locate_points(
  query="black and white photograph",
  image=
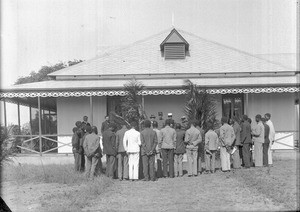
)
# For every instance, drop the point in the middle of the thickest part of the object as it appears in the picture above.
(149, 105)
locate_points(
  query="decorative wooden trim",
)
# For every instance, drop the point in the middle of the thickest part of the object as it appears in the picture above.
(145, 92)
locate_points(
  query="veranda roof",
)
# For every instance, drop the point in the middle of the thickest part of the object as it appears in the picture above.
(223, 85)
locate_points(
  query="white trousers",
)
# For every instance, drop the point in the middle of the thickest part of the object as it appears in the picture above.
(225, 159)
(133, 163)
(270, 159)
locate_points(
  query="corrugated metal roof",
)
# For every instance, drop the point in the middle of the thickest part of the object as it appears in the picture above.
(145, 57)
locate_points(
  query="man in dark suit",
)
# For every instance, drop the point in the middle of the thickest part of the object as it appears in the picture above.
(110, 149)
(266, 143)
(85, 123)
(148, 144)
(246, 140)
(105, 124)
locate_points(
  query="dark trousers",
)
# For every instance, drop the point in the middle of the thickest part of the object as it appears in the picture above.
(241, 154)
(77, 158)
(246, 155)
(265, 154)
(99, 168)
(148, 166)
(200, 156)
(110, 165)
(82, 160)
(168, 158)
(159, 172)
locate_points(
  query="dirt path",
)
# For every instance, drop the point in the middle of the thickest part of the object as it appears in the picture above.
(216, 192)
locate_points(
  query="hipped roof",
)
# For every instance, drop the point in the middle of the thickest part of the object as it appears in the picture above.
(209, 64)
(145, 57)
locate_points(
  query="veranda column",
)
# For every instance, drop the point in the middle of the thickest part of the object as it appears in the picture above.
(246, 104)
(91, 110)
(19, 122)
(5, 118)
(40, 124)
(143, 102)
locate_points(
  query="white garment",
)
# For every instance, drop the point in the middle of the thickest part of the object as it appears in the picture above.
(132, 141)
(272, 139)
(259, 131)
(272, 130)
(158, 138)
(133, 163)
(225, 159)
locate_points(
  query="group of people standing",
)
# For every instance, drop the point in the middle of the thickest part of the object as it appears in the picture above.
(165, 142)
(249, 144)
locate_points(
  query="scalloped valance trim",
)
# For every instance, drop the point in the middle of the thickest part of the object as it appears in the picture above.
(154, 92)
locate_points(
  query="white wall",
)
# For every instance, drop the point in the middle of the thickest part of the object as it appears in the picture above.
(72, 109)
(280, 105)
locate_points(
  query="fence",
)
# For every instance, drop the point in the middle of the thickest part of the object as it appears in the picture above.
(283, 140)
(42, 138)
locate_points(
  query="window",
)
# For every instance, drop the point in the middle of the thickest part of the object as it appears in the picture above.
(233, 105)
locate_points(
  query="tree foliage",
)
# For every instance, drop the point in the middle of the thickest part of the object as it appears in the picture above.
(131, 105)
(41, 75)
(8, 144)
(200, 105)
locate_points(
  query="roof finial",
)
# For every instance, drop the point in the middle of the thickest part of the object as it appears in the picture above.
(173, 20)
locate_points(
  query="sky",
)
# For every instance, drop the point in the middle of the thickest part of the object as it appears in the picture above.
(43, 32)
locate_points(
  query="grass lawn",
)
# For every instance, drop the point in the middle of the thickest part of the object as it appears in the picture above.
(58, 188)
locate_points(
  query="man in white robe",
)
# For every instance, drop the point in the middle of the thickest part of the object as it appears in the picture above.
(132, 143)
(271, 137)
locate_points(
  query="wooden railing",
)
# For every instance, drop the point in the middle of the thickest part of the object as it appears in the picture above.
(46, 137)
(40, 137)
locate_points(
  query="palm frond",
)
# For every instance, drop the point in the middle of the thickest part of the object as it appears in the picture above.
(131, 103)
(200, 105)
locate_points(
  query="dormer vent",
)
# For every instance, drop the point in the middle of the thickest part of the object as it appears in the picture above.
(174, 46)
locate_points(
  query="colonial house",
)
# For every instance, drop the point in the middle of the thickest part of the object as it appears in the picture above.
(242, 84)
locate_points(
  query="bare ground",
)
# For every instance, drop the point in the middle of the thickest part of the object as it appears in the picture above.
(255, 189)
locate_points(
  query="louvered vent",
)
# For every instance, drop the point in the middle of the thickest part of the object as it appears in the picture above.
(174, 51)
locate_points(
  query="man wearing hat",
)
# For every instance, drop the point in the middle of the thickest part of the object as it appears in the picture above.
(258, 133)
(152, 119)
(172, 122)
(184, 123)
(161, 121)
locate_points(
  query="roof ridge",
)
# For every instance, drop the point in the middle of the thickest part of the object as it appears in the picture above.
(233, 48)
